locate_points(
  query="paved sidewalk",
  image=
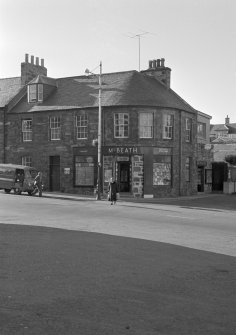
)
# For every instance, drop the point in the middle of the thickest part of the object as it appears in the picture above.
(213, 201)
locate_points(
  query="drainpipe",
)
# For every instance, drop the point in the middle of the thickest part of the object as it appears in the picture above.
(4, 135)
(180, 152)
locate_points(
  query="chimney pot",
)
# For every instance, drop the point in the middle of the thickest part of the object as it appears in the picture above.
(32, 60)
(42, 62)
(158, 62)
(37, 61)
(227, 120)
(163, 62)
(26, 58)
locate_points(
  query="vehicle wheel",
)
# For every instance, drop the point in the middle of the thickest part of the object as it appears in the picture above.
(17, 191)
(7, 190)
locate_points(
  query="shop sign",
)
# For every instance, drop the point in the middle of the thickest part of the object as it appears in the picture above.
(121, 150)
(66, 170)
(162, 151)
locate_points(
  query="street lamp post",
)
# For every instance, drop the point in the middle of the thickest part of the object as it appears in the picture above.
(99, 131)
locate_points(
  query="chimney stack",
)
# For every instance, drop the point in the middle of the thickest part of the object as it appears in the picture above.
(227, 120)
(158, 70)
(31, 70)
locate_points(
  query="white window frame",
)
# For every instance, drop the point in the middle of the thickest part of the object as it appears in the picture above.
(26, 160)
(168, 126)
(121, 125)
(188, 129)
(35, 93)
(146, 125)
(26, 127)
(55, 128)
(201, 129)
(82, 126)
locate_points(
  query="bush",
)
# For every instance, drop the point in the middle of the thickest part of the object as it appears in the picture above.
(231, 159)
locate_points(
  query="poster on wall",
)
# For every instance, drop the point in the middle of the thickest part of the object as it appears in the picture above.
(208, 176)
(161, 173)
(107, 175)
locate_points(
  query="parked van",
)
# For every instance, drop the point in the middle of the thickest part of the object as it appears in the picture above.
(18, 178)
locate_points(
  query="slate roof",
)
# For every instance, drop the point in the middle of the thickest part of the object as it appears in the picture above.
(130, 88)
(40, 79)
(9, 87)
(229, 128)
(224, 140)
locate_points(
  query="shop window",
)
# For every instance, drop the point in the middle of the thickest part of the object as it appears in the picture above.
(121, 125)
(187, 169)
(26, 160)
(201, 129)
(168, 124)
(84, 171)
(162, 170)
(26, 127)
(82, 126)
(55, 128)
(146, 125)
(35, 93)
(188, 129)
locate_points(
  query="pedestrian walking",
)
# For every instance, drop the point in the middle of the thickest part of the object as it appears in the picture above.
(112, 191)
(38, 182)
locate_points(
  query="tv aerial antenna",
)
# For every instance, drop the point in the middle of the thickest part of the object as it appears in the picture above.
(138, 36)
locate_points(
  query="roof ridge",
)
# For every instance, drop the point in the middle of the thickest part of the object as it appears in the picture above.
(11, 78)
(96, 74)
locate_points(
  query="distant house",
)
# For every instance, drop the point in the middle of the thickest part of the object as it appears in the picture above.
(223, 132)
(150, 135)
(223, 140)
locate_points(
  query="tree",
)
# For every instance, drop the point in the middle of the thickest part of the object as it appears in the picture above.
(231, 159)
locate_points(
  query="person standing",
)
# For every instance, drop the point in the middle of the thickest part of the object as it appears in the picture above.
(38, 182)
(112, 191)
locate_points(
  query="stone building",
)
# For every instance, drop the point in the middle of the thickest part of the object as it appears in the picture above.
(204, 153)
(149, 133)
(223, 141)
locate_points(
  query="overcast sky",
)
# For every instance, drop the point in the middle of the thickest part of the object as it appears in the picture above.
(197, 38)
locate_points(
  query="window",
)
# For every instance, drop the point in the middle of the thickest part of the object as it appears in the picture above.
(26, 160)
(82, 126)
(168, 122)
(84, 171)
(187, 169)
(162, 170)
(35, 93)
(188, 129)
(201, 129)
(26, 130)
(55, 128)
(146, 125)
(121, 125)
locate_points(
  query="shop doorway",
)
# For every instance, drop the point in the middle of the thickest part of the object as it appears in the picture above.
(219, 175)
(123, 176)
(200, 177)
(54, 170)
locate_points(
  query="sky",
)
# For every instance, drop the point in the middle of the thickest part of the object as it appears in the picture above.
(197, 38)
